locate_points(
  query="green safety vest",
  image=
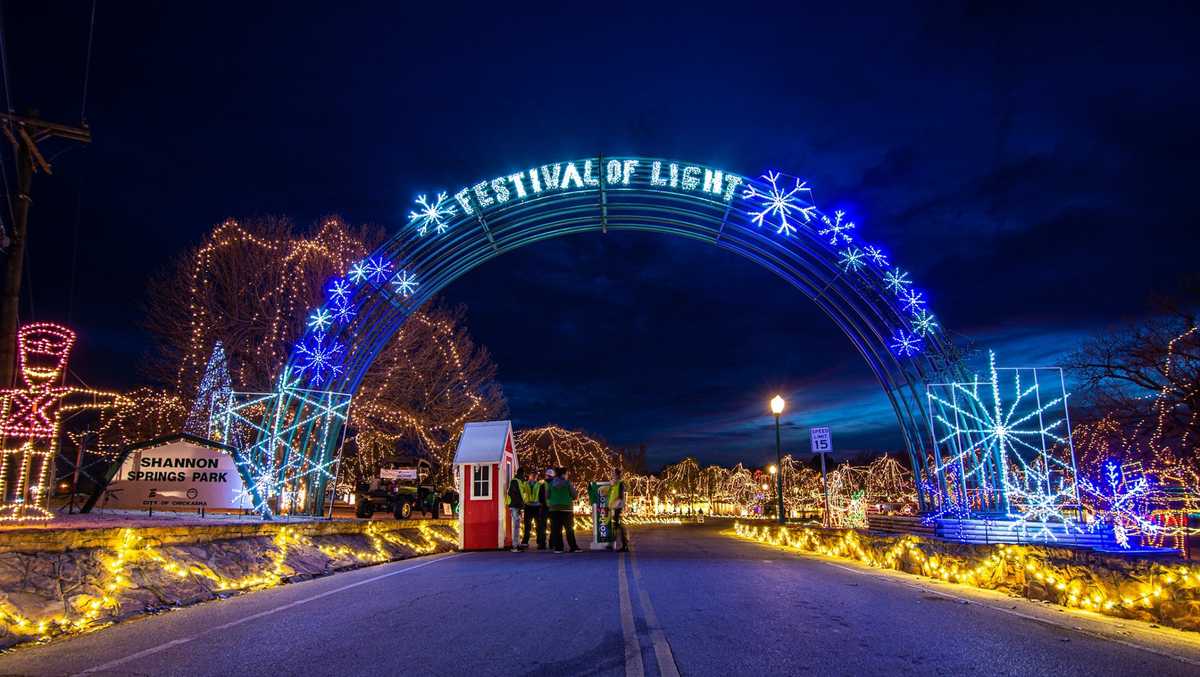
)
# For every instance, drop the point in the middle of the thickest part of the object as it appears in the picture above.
(558, 495)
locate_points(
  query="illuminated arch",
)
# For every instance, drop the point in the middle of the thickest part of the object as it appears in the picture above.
(769, 219)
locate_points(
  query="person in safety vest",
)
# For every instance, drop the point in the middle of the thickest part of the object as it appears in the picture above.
(616, 507)
(534, 493)
(515, 500)
(560, 499)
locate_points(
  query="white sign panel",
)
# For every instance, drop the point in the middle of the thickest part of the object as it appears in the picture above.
(822, 441)
(398, 474)
(176, 476)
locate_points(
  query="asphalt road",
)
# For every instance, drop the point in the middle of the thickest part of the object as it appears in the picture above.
(691, 602)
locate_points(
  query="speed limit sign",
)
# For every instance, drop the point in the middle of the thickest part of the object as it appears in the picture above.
(822, 441)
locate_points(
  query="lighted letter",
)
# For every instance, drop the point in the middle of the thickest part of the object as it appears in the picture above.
(500, 190)
(571, 173)
(534, 182)
(731, 182)
(518, 183)
(674, 175)
(630, 165)
(656, 178)
(691, 177)
(550, 176)
(464, 201)
(614, 172)
(712, 181)
(481, 195)
(587, 174)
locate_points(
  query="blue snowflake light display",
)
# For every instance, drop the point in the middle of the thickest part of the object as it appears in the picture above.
(896, 281)
(318, 360)
(320, 320)
(923, 324)
(779, 203)
(340, 291)
(1121, 501)
(912, 300)
(433, 214)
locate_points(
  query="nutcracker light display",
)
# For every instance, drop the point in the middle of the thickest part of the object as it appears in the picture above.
(31, 417)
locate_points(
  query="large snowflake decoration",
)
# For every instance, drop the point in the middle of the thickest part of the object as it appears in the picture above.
(905, 344)
(404, 283)
(376, 269)
(320, 320)
(851, 259)
(1039, 502)
(923, 323)
(779, 203)
(432, 214)
(876, 255)
(896, 280)
(984, 428)
(912, 300)
(1120, 501)
(318, 360)
(837, 227)
(339, 291)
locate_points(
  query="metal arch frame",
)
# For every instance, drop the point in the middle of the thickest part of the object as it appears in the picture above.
(856, 300)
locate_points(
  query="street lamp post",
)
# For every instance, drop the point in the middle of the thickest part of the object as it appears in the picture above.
(777, 404)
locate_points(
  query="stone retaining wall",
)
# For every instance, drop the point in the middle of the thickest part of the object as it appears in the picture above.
(55, 582)
(1163, 590)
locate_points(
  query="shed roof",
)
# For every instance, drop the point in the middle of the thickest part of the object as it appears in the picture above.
(484, 442)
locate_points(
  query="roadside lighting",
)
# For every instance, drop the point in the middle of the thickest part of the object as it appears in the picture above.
(777, 404)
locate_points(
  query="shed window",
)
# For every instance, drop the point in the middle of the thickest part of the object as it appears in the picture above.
(481, 481)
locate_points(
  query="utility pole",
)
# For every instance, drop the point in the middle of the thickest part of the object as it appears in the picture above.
(24, 133)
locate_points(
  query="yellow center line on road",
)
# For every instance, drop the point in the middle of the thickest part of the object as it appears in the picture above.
(662, 649)
(633, 650)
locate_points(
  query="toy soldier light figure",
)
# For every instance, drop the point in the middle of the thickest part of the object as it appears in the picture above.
(31, 417)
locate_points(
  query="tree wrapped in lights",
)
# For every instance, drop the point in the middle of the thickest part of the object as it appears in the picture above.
(588, 458)
(250, 287)
(213, 397)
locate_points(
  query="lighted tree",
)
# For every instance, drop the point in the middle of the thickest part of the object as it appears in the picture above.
(588, 458)
(250, 287)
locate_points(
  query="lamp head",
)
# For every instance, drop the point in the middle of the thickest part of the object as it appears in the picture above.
(777, 405)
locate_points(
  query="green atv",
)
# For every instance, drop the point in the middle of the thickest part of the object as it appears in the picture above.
(398, 500)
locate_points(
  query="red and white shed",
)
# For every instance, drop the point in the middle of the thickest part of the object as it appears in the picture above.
(484, 464)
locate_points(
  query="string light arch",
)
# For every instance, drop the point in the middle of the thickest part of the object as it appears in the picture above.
(768, 218)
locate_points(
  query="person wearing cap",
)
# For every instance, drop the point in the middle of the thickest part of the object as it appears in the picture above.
(535, 509)
(560, 499)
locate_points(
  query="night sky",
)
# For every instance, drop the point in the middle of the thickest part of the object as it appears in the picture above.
(1035, 173)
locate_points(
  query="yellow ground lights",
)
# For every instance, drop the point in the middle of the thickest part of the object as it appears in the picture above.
(132, 554)
(1123, 588)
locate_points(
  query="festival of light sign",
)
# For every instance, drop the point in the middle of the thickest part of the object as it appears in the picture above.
(562, 177)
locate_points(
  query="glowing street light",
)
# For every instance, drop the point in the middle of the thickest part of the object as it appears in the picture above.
(777, 404)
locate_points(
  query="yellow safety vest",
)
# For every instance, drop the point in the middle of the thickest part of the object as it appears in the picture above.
(614, 492)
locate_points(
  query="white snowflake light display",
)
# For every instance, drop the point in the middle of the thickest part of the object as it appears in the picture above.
(876, 255)
(404, 283)
(905, 344)
(339, 292)
(896, 280)
(432, 214)
(912, 300)
(1009, 433)
(923, 323)
(837, 227)
(779, 204)
(851, 259)
(320, 320)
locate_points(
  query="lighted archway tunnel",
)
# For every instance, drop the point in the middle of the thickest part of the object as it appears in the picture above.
(769, 219)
